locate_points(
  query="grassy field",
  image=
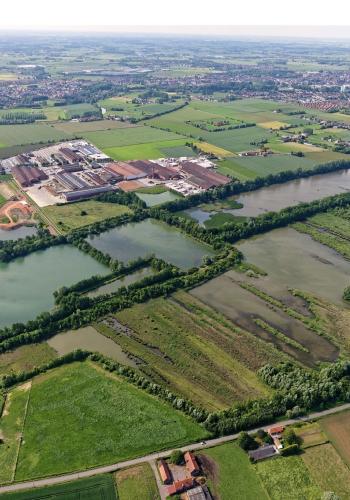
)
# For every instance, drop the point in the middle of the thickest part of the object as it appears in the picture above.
(25, 357)
(311, 434)
(12, 135)
(151, 150)
(11, 426)
(328, 470)
(3, 200)
(91, 488)
(128, 109)
(127, 136)
(177, 151)
(79, 127)
(73, 215)
(193, 350)
(80, 416)
(337, 428)
(137, 483)
(231, 475)
(287, 478)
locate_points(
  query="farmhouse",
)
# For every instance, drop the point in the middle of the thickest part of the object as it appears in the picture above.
(276, 431)
(192, 464)
(164, 472)
(181, 486)
(262, 453)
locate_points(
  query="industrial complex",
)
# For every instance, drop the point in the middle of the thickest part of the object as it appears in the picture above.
(77, 170)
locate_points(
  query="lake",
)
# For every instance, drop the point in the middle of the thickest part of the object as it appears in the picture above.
(91, 340)
(27, 283)
(113, 286)
(152, 200)
(278, 196)
(151, 237)
(16, 234)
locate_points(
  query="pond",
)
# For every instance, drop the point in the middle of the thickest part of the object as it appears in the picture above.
(16, 234)
(295, 260)
(113, 286)
(151, 237)
(152, 200)
(27, 283)
(91, 340)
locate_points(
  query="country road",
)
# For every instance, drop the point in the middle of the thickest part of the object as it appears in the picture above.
(154, 456)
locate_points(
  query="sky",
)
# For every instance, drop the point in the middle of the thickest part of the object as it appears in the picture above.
(228, 17)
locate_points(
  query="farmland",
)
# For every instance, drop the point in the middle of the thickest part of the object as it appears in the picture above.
(230, 473)
(178, 339)
(12, 135)
(70, 127)
(92, 488)
(149, 151)
(337, 428)
(72, 216)
(137, 482)
(288, 478)
(79, 407)
(123, 106)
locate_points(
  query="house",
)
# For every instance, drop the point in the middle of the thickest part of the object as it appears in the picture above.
(198, 493)
(181, 486)
(164, 472)
(192, 464)
(276, 431)
(262, 453)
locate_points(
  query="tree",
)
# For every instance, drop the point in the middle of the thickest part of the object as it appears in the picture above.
(177, 457)
(289, 437)
(246, 442)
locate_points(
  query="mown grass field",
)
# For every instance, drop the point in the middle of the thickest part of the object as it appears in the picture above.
(12, 135)
(311, 434)
(231, 475)
(25, 357)
(79, 127)
(92, 488)
(128, 136)
(194, 350)
(137, 483)
(73, 215)
(133, 110)
(337, 428)
(11, 425)
(328, 470)
(151, 150)
(80, 416)
(287, 478)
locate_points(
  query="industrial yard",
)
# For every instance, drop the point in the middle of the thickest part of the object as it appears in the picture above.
(77, 170)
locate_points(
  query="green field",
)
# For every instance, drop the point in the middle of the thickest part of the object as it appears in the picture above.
(137, 482)
(11, 426)
(92, 488)
(194, 350)
(152, 150)
(328, 470)
(73, 215)
(93, 126)
(128, 109)
(287, 478)
(12, 135)
(231, 474)
(25, 357)
(79, 416)
(128, 136)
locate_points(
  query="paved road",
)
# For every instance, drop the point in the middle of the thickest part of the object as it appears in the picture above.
(154, 456)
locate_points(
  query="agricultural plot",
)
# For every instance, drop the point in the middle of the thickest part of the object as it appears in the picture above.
(288, 478)
(11, 427)
(80, 416)
(25, 358)
(74, 215)
(128, 136)
(78, 127)
(124, 107)
(311, 434)
(12, 135)
(147, 151)
(337, 428)
(328, 470)
(195, 351)
(92, 488)
(137, 482)
(230, 473)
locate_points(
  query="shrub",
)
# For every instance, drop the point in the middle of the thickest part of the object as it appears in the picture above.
(246, 442)
(293, 449)
(177, 457)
